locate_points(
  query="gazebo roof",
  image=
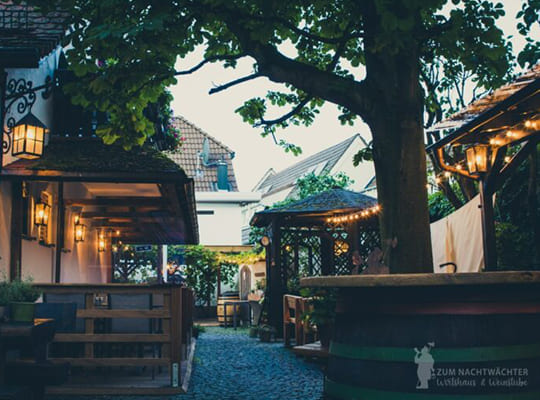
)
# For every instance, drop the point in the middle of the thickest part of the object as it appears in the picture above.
(334, 201)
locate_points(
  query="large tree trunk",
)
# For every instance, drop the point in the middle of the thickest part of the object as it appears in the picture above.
(399, 153)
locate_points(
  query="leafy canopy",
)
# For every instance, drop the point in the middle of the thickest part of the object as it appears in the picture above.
(124, 52)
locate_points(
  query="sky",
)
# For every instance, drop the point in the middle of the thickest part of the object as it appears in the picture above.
(215, 114)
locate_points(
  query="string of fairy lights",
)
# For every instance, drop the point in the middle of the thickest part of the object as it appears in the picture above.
(356, 216)
(501, 139)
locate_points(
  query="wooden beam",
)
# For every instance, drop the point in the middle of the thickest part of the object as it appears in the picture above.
(60, 233)
(119, 201)
(125, 214)
(16, 231)
(112, 362)
(110, 338)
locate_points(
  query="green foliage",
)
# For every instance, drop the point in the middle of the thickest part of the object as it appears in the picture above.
(135, 267)
(125, 52)
(306, 186)
(515, 220)
(20, 291)
(323, 302)
(201, 270)
(197, 330)
(440, 206)
(5, 294)
(514, 247)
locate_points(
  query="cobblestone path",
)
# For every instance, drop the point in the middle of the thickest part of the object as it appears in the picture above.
(229, 365)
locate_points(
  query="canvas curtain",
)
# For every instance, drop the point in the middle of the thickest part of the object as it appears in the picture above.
(457, 238)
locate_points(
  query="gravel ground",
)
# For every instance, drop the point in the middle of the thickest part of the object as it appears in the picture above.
(229, 365)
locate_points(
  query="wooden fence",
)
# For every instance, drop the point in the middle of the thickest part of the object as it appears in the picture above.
(173, 314)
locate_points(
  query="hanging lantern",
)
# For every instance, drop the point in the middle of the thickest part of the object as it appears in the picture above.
(41, 213)
(478, 158)
(80, 230)
(340, 247)
(29, 137)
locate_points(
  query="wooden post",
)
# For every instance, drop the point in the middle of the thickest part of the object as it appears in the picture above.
(89, 325)
(488, 228)
(176, 335)
(60, 232)
(274, 281)
(16, 231)
(327, 255)
(3, 80)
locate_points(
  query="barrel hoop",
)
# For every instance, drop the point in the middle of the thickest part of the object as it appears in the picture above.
(456, 354)
(456, 308)
(348, 392)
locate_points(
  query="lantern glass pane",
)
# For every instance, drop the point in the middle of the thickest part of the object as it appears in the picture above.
(471, 160)
(481, 158)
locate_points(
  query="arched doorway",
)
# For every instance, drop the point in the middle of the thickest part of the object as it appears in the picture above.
(245, 282)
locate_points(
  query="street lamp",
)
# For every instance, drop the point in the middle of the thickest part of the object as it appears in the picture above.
(101, 242)
(29, 137)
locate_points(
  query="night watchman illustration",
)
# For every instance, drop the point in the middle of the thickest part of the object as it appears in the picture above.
(425, 362)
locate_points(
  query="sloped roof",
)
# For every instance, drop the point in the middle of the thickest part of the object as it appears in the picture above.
(324, 160)
(491, 116)
(477, 107)
(92, 155)
(22, 26)
(188, 157)
(331, 201)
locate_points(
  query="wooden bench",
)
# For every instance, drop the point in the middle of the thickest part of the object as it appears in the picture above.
(297, 306)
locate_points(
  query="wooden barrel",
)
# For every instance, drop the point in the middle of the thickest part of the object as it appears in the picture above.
(436, 342)
(227, 296)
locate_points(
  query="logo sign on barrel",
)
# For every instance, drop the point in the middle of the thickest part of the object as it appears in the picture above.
(143, 248)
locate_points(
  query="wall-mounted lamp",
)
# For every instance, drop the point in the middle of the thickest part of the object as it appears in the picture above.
(101, 242)
(42, 212)
(478, 158)
(29, 137)
(265, 241)
(80, 230)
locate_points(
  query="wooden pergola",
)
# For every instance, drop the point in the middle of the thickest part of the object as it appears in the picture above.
(323, 234)
(487, 142)
(132, 197)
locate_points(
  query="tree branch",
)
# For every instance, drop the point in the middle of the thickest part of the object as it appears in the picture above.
(233, 83)
(285, 117)
(307, 78)
(223, 57)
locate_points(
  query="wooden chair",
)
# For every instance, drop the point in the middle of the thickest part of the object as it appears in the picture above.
(293, 311)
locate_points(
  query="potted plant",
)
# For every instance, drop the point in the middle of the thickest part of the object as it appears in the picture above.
(266, 333)
(321, 313)
(23, 296)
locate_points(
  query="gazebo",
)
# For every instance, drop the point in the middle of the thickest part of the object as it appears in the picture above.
(487, 141)
(329, 233)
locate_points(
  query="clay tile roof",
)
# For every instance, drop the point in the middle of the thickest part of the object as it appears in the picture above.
(23, 26)
(188, 157)
(322, 161)
(486, 102)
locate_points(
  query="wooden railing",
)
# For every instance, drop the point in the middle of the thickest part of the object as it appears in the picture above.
(173, 315)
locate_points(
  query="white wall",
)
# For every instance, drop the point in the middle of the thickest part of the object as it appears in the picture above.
(361, 174)
(5, 223)
(42, 108)
(224, 226)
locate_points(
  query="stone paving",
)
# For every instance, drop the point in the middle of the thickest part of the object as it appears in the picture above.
(229, 365)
